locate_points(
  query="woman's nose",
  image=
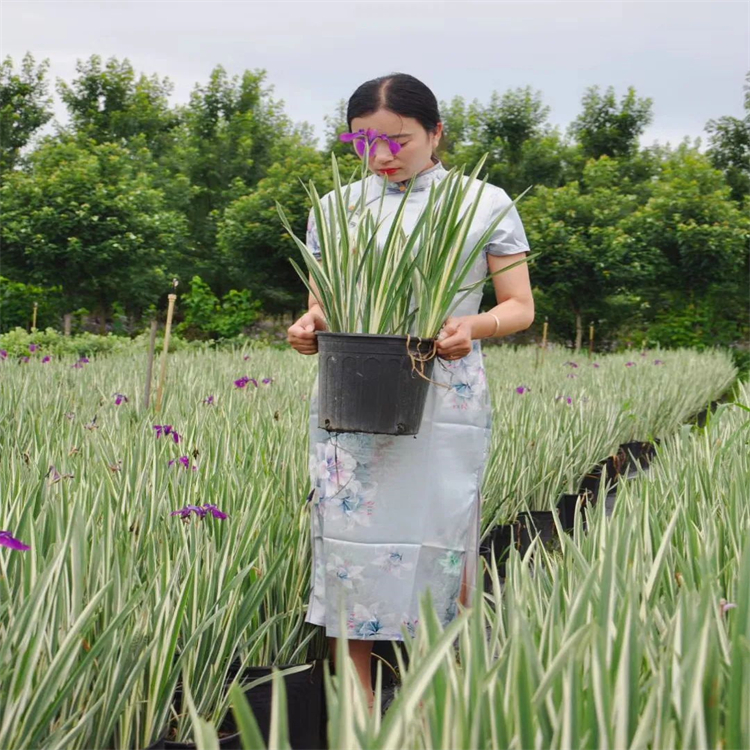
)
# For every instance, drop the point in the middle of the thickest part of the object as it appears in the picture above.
(380, 152)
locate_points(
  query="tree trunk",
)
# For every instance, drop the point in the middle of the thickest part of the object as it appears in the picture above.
(67, 323)
(579, 332)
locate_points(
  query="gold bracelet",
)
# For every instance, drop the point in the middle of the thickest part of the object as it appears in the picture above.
(497, 324)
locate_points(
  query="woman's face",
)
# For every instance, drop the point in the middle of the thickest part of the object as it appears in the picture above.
(416, 144)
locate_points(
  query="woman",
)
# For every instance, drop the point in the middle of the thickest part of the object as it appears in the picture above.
(395, 515)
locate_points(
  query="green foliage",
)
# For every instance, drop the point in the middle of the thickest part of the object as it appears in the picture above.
(729, 148)
(50, 341)
(252, 235)
(135, 192)
(605, 128)
(17, 304)
(205, 316)
(25, 106)
(87, 216)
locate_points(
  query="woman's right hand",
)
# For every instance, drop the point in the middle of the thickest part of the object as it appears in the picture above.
(301, 335)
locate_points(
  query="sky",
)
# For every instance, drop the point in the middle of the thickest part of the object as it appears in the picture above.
(690, 58)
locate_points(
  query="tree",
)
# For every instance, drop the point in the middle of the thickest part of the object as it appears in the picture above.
(687, 248)
(25, 106)
(524, 150)
(606, 129)
(729, 148)
(576, 228)
(109, 105)
(335, 125)
(252, 235)
(232, 132)
(87, 217)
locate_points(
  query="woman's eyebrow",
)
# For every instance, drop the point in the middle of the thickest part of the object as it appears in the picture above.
(399, 135)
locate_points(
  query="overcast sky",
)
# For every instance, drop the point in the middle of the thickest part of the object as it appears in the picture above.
(689, 57)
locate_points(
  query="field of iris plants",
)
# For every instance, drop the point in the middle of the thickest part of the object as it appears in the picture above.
(148, 561)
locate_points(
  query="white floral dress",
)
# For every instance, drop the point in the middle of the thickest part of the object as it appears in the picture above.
(394, 515)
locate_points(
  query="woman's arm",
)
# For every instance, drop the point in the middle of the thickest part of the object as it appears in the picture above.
(515, 303)
(515, 310)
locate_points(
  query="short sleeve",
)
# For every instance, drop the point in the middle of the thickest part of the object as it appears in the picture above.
(311, 239)
(509, 236)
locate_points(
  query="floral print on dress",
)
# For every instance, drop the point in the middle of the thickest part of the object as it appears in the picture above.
(467, 381)
(410, 624)
(364, 622)
(392, 561)
(452, 562)
(340, 467)
(332, 468)
(352, 505)
(343, 571)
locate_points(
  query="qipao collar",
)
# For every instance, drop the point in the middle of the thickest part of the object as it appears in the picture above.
(422, 181)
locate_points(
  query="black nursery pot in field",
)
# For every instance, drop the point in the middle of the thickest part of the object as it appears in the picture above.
(159, 744)
(367, 382)
(304, 696)
(500, 539)
(566, 507)
(535, 523)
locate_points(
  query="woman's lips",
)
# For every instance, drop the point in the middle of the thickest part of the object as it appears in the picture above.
(388, 171)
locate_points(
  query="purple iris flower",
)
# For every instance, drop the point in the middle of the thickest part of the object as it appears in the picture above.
(167, 429)
(3, 354)
(572, 364)
(568, 399)
(78, 366)
(199, 511)
(119, 398)
(595, 364)
(371, 136)
(727, 606)
(658, 362)
(214, 511)
(33, 347)
(522, 389)
(46, 358)
(266, 381)
(6, 540)
(246, 357)
(571, 375)
(24, 359)
(85, 360)
(184, 460)
(208, 400)
(244, 380)
(630, 364)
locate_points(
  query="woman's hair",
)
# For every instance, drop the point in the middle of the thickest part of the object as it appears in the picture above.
(399, 93)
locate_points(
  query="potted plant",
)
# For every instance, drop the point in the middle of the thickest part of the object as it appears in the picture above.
(385, 306)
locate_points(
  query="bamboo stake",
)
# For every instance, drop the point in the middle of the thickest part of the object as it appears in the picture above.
(167, 329)
(591, 339)
(33, 322)
(150, 365)
(544, 336)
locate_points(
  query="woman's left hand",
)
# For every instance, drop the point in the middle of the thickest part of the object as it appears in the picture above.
(454, 339)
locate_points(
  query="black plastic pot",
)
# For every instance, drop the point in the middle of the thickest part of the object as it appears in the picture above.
(367, 383)
(304, 695)
(228, 741)
(499, 539)
(535, 523)
(385, 651)
(159, 744)
(566, 508)
(591, 482)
